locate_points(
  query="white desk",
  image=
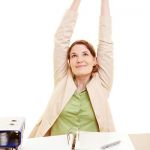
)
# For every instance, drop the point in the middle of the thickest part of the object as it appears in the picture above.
(140, 142)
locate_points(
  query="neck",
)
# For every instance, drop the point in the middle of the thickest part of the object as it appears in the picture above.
(81, 81)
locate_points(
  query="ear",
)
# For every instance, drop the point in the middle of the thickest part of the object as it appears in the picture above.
(95, 61)
(68, 62)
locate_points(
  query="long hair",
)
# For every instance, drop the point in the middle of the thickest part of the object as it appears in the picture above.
(89, 47)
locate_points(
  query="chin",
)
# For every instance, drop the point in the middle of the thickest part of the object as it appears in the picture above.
(83, 74)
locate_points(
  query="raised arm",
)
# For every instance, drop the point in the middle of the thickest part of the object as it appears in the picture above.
(75, 5)
(105, 53)
(62, 41)
(105, 8)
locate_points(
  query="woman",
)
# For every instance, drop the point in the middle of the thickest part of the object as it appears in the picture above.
(82, 80)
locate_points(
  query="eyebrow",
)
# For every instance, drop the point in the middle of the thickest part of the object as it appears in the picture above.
(82, 52)
(72, 53)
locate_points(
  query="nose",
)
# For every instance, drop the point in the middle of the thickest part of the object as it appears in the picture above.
(79, 59)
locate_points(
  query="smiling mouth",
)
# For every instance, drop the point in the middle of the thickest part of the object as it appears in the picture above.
(80, 66)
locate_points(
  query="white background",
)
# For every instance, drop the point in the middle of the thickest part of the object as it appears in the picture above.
(27, 28)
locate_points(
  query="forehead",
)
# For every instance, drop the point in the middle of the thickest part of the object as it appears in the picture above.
(79, 48)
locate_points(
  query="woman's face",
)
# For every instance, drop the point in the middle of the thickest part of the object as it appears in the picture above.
(81, 60)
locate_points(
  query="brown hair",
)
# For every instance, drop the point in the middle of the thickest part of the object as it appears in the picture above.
(89, 47)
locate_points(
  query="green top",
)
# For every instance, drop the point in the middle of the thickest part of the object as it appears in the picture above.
(77, 114)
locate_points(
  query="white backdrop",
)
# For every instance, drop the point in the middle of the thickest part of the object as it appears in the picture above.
(26, 57)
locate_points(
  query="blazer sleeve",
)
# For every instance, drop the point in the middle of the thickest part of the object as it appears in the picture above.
(105, 52)
(62, 41)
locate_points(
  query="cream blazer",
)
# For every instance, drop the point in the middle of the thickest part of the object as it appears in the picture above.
(98, 87)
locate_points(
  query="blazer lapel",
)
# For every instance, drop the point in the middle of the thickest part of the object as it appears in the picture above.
(97, 98)
(69, 91)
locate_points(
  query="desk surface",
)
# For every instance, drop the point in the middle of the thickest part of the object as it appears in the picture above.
(140, 141)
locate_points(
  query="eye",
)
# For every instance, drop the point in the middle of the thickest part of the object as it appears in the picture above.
(85, 54)
(73, 56)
